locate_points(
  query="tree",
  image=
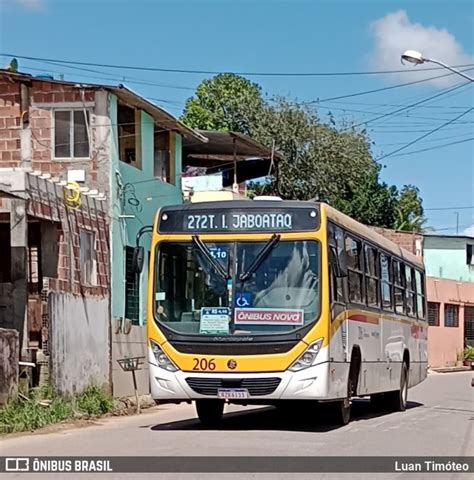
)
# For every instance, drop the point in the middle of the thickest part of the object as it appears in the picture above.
(409, 210)
(318, 160)
(226, 102)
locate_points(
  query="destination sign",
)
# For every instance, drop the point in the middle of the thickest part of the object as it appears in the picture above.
(269, 220)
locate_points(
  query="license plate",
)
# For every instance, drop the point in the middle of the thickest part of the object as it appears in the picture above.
(232, 393)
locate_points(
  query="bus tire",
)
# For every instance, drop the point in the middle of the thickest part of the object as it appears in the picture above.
(398, 398)
(342, 408)
(210, 411)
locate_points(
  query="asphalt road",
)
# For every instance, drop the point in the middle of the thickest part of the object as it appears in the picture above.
(438, 421)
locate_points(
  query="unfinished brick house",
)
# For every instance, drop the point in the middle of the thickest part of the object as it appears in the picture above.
(71, 267)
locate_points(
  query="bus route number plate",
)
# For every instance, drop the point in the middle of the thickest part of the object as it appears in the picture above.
(227, 393)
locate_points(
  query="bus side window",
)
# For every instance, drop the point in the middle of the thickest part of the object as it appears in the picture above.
(355, 276)
(399, 287)
(336, 239)
(420, 294)
(410, 291)
(371, 277)
(386, 281)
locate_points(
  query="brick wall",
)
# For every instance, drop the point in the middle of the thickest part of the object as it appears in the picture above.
(37, 120)
(406, 240)
(9, 123)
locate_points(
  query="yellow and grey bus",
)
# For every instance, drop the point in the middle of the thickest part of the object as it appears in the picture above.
(265, 301)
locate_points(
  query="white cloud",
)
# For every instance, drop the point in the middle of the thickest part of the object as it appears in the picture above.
(395, 32)
(469, 231)
(33, 5)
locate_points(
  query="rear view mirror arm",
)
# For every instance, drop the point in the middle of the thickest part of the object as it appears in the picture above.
(142, 231)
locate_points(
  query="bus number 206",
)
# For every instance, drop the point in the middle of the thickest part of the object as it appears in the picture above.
(204, 364)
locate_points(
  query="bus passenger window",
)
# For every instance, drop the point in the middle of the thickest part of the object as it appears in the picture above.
(353, 249)
(336, 239)
(399, 288)
(410, 291)
(371, 277)
(420, 295)
(386, 282)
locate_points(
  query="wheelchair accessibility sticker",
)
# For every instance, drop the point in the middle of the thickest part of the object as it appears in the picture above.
(243, 299)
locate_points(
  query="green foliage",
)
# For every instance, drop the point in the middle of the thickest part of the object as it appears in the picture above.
(468, 354)
(319, 160)
(95, 402)
(44, 408)
(409, 209)
(226, 102)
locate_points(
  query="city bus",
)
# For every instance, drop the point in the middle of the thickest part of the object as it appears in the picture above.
(270, 301)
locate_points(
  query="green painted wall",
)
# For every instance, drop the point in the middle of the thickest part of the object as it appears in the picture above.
(445, 257)
(130, 184)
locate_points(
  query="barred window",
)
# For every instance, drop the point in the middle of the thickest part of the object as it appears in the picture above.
(132, 289)
(451, 315)
(433, 314)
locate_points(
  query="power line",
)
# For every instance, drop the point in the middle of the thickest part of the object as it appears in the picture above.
(383, 89)
(216, 72)
(450, 208)
(394, 112)
(432, 148)
(426, 134)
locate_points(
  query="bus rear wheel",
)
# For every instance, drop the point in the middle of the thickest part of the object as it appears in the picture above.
(398, 398)
(210, 411)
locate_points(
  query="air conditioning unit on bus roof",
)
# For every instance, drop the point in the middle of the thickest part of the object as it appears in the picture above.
(267, 197)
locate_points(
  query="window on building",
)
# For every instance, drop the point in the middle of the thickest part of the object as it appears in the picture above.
(420, 294)
(410, 291)
(129, 133)
(386, 281)
(469, 325)
(353, 248)
(451, 315)
(71, 134)
(88, 258)
(162, 156)
(399, 286)
(5, 264)
(371, 277)
(132, 289)
(470, 254)
(336, 240)
(433, 314)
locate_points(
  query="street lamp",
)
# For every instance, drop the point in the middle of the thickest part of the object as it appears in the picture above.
(412, 56)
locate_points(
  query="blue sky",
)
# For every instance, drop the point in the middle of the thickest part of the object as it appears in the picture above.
(284, 36)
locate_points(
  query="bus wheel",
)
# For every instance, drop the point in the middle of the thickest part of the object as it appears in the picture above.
(210, 411)
(342, 408)
(398, 399)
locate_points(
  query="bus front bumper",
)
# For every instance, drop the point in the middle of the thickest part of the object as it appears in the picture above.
(308, 384)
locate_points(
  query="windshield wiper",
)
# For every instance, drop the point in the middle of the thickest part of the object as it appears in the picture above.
(206, 252)
(261, 256)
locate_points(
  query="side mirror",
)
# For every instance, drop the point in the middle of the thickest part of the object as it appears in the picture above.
(338, 263)
(138, 259)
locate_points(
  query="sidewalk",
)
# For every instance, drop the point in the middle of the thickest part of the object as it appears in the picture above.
(461, 368)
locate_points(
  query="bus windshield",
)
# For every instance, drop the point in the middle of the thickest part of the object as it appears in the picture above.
(237, 288)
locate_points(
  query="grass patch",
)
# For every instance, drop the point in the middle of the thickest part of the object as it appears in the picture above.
(45, 408)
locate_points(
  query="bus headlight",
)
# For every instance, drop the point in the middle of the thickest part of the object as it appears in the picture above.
(161, 359)
(308, 357)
